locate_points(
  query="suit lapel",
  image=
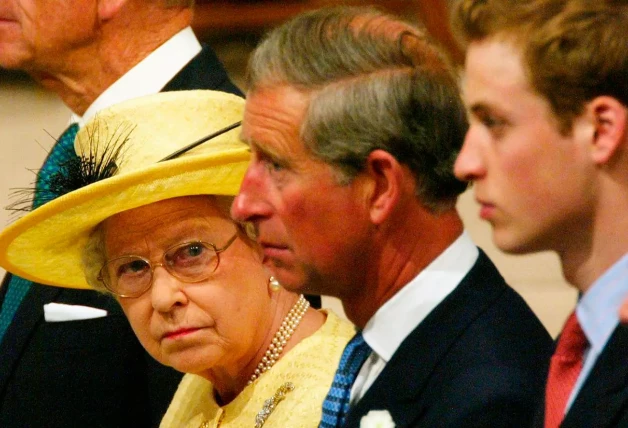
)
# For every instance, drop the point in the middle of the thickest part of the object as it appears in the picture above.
(26, 319)
(603, 398)
(407, 373)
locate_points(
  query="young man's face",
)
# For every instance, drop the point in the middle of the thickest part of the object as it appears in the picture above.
(531, 181)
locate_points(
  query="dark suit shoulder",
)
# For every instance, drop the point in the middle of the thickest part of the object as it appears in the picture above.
(603, 399)
(204, 71)
(478, 359)
(494, 371)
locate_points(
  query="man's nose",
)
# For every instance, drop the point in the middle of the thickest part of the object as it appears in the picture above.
(251, 203)
(469, 165)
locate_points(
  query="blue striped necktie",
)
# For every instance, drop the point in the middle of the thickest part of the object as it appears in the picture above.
(62, 152)
(336, 404)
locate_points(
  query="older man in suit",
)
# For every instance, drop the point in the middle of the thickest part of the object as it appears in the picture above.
(92, 371)
(547, 148)
(352, 194)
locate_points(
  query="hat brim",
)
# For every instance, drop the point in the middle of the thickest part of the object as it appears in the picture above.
(46, 245)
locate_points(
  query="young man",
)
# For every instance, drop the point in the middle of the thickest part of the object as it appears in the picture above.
(547, 150)
(352, 194)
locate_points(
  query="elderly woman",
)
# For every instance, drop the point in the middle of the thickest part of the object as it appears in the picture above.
(149, 224)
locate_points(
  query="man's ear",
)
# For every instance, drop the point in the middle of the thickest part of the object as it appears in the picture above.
(107, 9)
(609, 120)
(387, 176)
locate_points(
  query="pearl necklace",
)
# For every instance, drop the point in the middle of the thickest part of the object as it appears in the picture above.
(289, 324)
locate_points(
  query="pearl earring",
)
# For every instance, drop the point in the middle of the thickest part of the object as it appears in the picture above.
(273, 284)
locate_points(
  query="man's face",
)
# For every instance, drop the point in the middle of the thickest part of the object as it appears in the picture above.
(39, 34)
(313, 231)
(532, 182)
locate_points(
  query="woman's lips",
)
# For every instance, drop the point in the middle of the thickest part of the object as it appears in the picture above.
(182, 332)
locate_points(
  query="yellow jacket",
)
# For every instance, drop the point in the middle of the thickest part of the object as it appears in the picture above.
(309, 367)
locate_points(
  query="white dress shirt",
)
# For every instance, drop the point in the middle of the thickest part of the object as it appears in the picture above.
(149, 76)
(400, 315)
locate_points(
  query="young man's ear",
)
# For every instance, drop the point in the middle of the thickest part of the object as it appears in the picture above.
(609, 120)
(387, 177)
(107, 9)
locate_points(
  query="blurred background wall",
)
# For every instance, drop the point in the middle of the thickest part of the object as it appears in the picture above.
(31, 118)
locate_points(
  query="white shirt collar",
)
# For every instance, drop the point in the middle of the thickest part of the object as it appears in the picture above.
(396, 319)
(149, 76)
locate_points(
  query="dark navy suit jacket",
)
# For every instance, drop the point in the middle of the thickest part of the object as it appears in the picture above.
(479, 359)
(602, 402)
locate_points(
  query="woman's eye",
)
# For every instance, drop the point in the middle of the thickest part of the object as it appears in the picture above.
(134, 267)
(194, 250)
(192, 253)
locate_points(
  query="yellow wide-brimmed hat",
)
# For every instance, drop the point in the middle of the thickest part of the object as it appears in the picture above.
(46, 245)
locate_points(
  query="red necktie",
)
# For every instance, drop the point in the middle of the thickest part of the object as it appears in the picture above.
(565, 368)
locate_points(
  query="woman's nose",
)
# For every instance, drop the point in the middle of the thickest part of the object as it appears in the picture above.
(166, 290)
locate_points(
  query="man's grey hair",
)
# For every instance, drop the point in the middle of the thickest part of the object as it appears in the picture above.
(375, 83)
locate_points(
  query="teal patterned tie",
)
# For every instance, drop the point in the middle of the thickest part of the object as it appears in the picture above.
(62, 152)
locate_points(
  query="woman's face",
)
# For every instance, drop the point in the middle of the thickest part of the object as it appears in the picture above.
(216, 324)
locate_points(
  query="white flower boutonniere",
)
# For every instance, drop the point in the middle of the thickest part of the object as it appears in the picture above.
(377, 419)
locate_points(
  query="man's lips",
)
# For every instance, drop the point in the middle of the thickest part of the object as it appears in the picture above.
(486, 210)
(273, 249)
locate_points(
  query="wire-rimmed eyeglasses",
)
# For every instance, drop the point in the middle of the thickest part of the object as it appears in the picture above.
(132, 276)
